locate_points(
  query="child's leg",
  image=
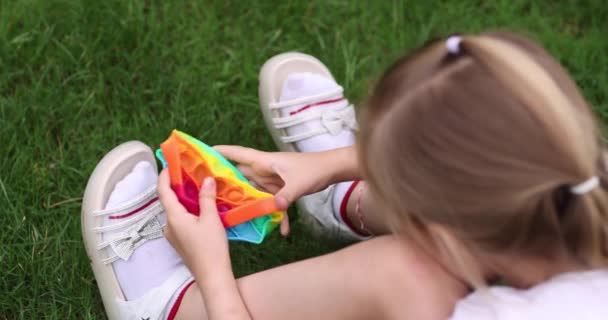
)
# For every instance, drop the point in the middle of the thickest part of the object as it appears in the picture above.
(383, 278)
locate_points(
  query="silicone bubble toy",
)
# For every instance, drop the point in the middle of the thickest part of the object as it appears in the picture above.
(247, 213)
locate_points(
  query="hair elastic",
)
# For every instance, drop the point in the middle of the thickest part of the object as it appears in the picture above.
(586, 186)
(453, 44)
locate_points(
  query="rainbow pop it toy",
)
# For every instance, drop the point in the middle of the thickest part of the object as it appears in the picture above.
(247, 213)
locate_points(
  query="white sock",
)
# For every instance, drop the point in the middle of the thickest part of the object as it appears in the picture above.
(154, 261)
(339, 194)
(299, 85)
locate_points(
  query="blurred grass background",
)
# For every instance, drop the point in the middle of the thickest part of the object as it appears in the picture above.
(79, 77)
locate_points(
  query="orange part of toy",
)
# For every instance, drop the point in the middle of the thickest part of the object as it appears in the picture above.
(189, 165)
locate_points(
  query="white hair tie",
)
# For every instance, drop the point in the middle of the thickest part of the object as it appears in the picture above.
(453, 44)
(586, 186)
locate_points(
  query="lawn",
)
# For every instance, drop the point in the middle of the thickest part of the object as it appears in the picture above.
(79, 77)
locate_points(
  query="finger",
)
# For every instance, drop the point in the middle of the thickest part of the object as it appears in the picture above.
(237, 153)
(285, 225)
(285, 197)
(206, 198)
(165, 193)
(255, 185)
(175, 211)
(163, 182)
(247, 171)
(270, 188)
(261, 183)
(281, 202)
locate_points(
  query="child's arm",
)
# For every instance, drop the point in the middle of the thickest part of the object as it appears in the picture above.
(202, 243)
(344, 164)
(294, 174)
(219, 291)
(291, 175)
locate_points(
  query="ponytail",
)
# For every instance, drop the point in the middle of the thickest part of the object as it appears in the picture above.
(585, 229)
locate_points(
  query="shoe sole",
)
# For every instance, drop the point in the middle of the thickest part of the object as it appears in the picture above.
(114, 166)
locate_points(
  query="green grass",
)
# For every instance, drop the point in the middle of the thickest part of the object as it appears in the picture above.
(79, 77)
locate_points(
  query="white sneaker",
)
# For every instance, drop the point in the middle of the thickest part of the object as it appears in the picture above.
(324, 118)
(113, 235)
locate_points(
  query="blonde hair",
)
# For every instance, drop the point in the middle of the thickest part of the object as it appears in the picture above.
(487, 144)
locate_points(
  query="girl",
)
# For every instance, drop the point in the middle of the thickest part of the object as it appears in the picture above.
(481, 162)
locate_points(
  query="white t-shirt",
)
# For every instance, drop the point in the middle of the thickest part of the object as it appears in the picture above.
(572, 296)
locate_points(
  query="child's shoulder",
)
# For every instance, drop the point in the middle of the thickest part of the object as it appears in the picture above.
(574, 295)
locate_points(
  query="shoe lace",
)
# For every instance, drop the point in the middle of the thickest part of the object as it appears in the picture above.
(332, 120)
(143, 226)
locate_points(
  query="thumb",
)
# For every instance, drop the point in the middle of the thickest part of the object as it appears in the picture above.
(286, 195)
(282, 200)
(206, 198)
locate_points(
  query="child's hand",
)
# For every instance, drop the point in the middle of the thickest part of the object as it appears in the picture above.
(201, 241)
(288, 175)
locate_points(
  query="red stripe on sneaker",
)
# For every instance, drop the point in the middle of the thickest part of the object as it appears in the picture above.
(316, 105)
(134, 211)
(178, 301)
(343, 206)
